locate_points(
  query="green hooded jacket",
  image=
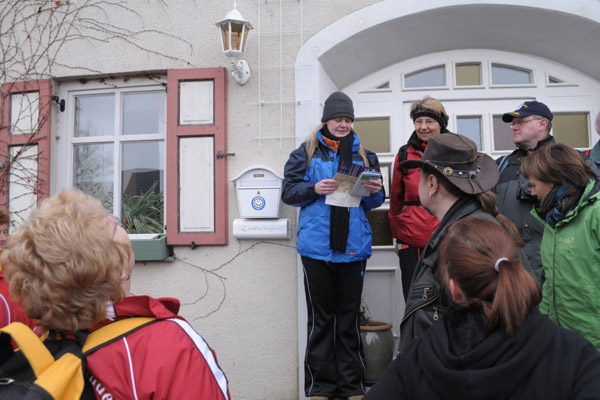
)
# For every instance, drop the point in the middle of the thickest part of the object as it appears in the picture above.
(571, 259)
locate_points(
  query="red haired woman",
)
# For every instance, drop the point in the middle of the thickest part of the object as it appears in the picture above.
(492, 343)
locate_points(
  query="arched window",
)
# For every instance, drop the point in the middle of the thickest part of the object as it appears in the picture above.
(476, 88)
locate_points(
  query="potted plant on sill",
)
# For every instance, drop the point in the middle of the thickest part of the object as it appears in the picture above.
(378, 344)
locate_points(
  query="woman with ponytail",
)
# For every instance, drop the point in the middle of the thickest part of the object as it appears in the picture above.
(569, 191)
(455, 180)
(335, 243)
(492, 343)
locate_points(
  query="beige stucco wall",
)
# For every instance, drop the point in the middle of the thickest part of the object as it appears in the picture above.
(243, 298)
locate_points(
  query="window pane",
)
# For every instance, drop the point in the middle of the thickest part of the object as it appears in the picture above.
(374, 133)
(380, 225)
(503, 136)
(468, 74)
(435, 76)
(24, 113)
(471, 128)
(22, 183)
(553, 80)
(142, 178)
(503, 75)
(93, 171)
(571, 129)
(144, 112)
(94, 115)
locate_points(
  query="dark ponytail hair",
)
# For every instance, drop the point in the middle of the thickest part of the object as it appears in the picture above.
(468, 255)
(489, 204)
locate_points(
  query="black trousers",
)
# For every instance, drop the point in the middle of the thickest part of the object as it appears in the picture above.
(408, 258)
(334, 362)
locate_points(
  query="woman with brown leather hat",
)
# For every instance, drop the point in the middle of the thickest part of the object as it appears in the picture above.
(455, 180)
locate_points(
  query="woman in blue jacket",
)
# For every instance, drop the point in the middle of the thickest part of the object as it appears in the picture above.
(334, 243)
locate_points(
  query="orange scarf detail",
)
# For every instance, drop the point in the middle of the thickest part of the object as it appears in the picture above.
(334, 144)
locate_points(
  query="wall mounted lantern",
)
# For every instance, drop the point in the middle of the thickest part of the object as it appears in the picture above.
(234, 34)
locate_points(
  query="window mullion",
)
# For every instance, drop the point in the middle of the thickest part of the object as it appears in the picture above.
(117, 153)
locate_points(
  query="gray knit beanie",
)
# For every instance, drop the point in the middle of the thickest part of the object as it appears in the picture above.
(337, 105)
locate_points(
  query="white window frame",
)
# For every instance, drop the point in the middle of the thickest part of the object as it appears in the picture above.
(63, 154)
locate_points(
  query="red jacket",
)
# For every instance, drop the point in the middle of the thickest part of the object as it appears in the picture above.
(164, 360)
(410, 222)
(10, 311)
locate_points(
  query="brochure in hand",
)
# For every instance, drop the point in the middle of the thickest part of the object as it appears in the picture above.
(350, 190)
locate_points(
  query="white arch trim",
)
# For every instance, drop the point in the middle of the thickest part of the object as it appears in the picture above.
(392, 31)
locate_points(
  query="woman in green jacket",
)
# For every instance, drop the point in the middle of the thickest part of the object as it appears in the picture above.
(568, 189)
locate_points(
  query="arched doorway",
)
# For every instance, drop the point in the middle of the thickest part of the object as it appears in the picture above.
(480, 60)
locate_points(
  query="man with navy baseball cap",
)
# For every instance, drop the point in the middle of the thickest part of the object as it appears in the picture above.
(531, 123)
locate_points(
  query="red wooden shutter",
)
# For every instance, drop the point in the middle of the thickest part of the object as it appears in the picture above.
(196, 178)
(29, 167)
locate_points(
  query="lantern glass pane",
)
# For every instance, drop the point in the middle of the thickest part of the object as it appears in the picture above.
(236, 35)
(245, 39)
(224, 37)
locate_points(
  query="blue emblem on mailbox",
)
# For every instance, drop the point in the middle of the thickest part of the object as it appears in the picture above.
(258, 203)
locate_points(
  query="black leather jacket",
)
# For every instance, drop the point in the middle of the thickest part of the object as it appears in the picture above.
(426, 301)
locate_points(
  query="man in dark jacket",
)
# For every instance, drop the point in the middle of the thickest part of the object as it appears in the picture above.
(531, 123)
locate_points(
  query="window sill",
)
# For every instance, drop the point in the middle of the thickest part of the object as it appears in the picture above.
(151, 247)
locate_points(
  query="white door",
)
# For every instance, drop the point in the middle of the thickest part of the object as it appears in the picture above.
(476, 89)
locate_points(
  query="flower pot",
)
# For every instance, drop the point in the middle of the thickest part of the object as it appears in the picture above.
(378, 345)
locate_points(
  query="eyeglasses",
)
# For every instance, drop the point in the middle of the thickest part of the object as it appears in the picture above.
(427, 122)
(115, 221)
(524, 121)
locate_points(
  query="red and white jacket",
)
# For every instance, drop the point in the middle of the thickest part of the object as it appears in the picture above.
(164, 360)
(10, 311)
(411, 224)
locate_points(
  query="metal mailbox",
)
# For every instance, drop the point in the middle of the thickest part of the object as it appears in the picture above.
(258, 192)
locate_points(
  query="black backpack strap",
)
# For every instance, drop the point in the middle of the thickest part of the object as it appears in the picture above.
(30, 345)
(403, 156)
(57, 375)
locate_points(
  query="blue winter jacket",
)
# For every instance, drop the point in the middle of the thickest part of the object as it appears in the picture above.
(313, 224)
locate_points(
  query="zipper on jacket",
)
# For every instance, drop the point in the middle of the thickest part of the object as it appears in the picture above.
(428, 300)
(425, 290)
(435, 313)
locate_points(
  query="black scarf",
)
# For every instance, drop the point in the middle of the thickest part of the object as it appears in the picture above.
(339, 216)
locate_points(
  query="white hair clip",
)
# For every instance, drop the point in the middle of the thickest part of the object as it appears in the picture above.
(498, 261)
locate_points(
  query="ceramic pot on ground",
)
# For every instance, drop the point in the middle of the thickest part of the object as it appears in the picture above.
(378, 346)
